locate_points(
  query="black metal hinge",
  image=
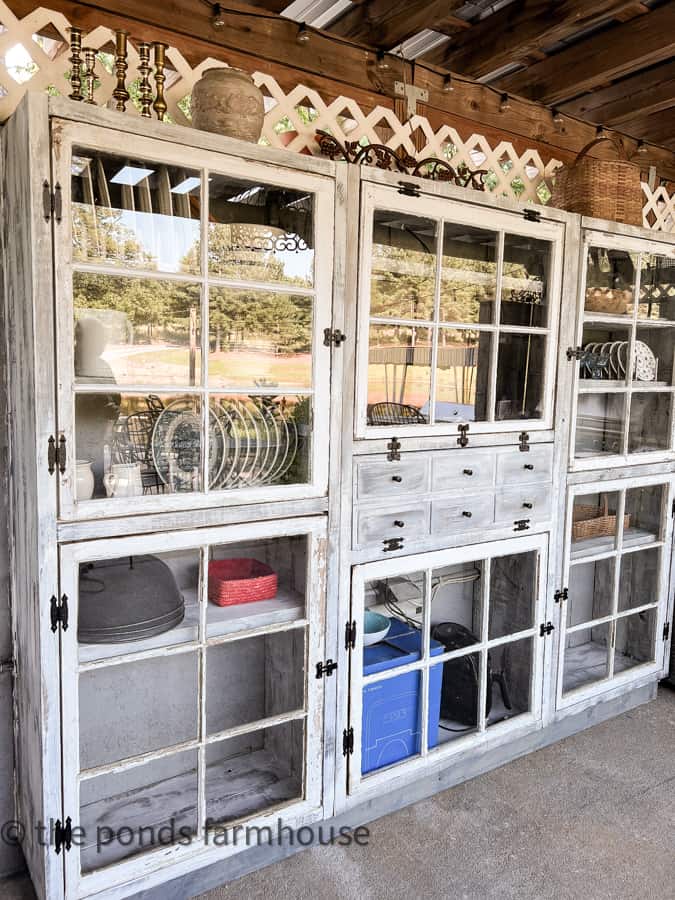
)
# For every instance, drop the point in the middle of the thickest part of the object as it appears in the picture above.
(524, 445)
(326, 668)
(666, 631)
(392, 544)
(521, 525)
(347, 741)
(56, 454)
(409, 189)
(532, 215)
(350, 635)
(333, 337)
(52, 201)
(547, 628)
(559, 596)
(463, 439)
(59, 612)
(394, 448)
(63, 835)
(673, 510)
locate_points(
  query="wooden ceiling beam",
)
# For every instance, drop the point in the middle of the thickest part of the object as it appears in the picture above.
(386, 23)
(603, 57)
(517, 30)
(656, 127)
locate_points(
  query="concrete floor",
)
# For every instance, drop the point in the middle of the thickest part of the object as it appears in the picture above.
(592, 816)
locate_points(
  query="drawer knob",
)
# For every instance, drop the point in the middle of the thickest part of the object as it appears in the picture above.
(397, 478)
(528, 466)
(467, 514)
(468, 471)
(527, 505)
(399, 523)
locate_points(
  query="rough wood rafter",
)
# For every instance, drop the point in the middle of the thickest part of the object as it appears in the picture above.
(385, 23)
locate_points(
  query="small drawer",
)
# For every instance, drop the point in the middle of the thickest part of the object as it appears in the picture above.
(523, 503)
(374, 527)
(463, 514)
(392, 479)
(533, 467)
(459, 470)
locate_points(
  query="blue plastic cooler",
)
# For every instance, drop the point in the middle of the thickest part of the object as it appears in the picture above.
(391, 719)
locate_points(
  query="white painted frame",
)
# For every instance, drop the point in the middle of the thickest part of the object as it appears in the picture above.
(378, 196)
(312, 808)
(65, 136)
(354, 785)
(648, 671)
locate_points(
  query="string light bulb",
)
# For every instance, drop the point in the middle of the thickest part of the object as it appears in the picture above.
(505, 103)
(303, 35)
(642, 148)
(558, 118)
(600, 131)
(381, 61)
(448, 85)
(217, 19)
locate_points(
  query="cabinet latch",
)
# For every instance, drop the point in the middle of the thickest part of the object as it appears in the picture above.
(521, 525)
(59, 612)
(546, 629)
(666, 631)
(56, 454)
(333, 337)
(392, 544)
(52, 201)
(325, 668)
(347, 741)
(409, 189)
(350, 635)
(394, 448)
(524, 445)
(63, 835)
(560, 596)
(463, 439)
(532, 215)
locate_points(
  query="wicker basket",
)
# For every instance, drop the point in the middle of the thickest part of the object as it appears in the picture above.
(602, 188)
(595, 521)
(607, 300)
(240, 581)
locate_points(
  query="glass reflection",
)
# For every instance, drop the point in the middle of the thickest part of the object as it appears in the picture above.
(657, 288)
(524, 298)
(468, 274)
(399, 374)
(463, 363)
(650, 426)
(521, 360)
(600, 424)
(403, 266)
(136, 214)
(610, 281)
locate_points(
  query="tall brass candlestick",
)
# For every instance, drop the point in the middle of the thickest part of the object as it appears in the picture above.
(76, 63)
(121, 94)
(144, 87)
(89, 74)
(160, 104)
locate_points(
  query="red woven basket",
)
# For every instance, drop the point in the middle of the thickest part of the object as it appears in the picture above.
(240, 581)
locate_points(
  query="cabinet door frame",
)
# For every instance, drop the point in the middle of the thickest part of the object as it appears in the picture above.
(316, 803)
(648, 671)
(351, 787)
(67, 135)
(469, 212)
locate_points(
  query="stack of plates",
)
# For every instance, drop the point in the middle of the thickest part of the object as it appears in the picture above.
(128, 599)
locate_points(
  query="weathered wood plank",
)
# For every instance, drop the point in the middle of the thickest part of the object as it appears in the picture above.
(383, 23)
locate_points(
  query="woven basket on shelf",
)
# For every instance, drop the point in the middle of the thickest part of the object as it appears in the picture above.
(240, 581)
(608, 300)
(602, 188)
(595, 521)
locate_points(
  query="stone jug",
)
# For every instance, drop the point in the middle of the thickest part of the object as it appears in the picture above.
(227, 102)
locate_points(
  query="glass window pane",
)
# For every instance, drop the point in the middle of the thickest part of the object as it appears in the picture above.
(259, 232)
(657, 288)
(594, 523)
(513, 593)
(259, 339)
(136, 331)
(468, 274)
(134, 213)
(521, 376)
(399, 375)
(136, 444)
(249, 774)
(393, 614)
(639, 578)
(256, 583)
(654, 352)
(391, 724)
(403, 273)
(454, 694)
(258, 440)
(510, 677)
(644, 520)
(600, 425)
(456, 605)
(610, 281)
(462, 375)
(525, 277)
(635, 640)
(606, 355)
(144, 808)
(149, 705)
(650, 422)
(591, 591)
(137, 603)
(254, 678)
(586, 657)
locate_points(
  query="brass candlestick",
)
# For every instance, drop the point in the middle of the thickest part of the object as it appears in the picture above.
(76, 63)
(144, 87)
(160, 104)
(89, 74)
(121, 94)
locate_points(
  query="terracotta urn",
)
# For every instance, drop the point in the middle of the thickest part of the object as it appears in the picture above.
(226, 101)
